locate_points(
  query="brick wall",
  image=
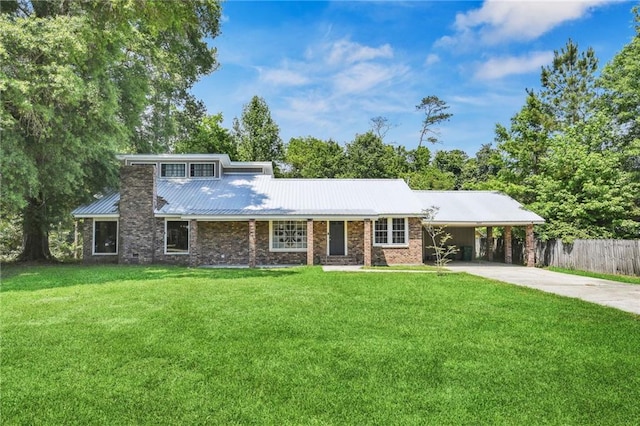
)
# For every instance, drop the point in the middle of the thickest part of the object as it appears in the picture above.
(137, 236)
(223, 243)
(402, 255)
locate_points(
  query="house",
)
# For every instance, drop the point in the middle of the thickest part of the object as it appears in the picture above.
(203, 209)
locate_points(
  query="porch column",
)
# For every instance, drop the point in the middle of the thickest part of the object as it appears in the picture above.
(367, 242)
(193, 243)
(252, 243)
(309, 241)
(490, 243)
(508, 257)
(530, 253)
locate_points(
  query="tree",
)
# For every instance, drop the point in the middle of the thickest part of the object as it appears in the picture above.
(257, 135)
(380, 126)
(568, 84)
(314, 158)
(439, 238)
(621, 80)
(208, 137)
(434, 110)
(453, 162)
(368, 157)
(77, 78)
(583, 193)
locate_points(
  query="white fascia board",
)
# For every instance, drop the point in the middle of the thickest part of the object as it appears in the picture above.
(240, 218)
(480, 224)
(96, 216)
(223, 158)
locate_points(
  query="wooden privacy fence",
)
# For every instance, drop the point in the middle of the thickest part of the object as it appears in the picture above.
(605, 256)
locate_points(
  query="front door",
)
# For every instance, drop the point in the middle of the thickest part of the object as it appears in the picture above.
(336, 238)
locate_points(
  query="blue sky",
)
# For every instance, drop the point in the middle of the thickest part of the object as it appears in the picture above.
(326, 68)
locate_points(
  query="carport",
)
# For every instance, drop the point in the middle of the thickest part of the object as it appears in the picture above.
(461, 212)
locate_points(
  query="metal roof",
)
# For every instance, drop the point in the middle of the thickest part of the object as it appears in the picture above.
(262, 195)
(476, 208)
(244, 196)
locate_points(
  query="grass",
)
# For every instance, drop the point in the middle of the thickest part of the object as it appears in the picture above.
(426, 268)
(612, 277)
(170, 345)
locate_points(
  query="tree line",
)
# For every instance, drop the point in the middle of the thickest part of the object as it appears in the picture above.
(82, 81)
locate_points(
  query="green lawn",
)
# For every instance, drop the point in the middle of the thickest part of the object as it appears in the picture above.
(612, 277)
(169, 345)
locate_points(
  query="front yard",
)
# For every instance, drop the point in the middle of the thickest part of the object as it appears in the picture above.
(164, 345)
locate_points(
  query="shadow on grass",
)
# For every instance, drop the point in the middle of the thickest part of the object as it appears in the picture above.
(17, 277)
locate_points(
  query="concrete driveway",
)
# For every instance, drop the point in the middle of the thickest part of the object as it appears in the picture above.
(625, 297)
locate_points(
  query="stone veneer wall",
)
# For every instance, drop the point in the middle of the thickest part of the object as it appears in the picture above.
(266, 257)
(402, 255)
(137, 235)
(87, 246)
(223, 243)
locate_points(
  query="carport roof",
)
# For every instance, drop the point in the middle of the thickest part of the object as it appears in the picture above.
(476, 208)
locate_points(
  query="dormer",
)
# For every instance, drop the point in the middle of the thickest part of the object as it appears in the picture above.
(196, 166)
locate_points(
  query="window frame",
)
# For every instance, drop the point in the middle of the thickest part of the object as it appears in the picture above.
(303, 228)
(184, 165)
(93, 239)
(212, 164)
(166, 237)
(390, 232)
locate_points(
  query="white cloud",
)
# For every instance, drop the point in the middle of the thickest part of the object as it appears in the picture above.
(366, 76)
(282, 77)
(499, 21)
(432, 58)
(496, 68)
(344, 52)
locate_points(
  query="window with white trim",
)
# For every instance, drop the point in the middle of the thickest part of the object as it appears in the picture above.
(391, 231)
(288, 235)
(105, 237)
(381, 234)
(176, 237)
(202, 170)
(173, 170)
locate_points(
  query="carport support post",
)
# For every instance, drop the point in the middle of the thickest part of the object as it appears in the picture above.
(367, 242)
(309, 241)
(252, 243)
(490, 243)
(508, 256)
(529, 247)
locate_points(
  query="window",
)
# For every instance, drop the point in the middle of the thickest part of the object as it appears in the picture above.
(105, 237)
(398, 231)
(176, 237)
(202, 170)
(381, 234)
(173, 170)
(390, 231)
(288, 235)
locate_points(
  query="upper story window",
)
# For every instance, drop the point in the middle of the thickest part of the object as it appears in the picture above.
(173, 170)
(202, 170)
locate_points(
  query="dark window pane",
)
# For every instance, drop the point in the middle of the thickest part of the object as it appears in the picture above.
(177, 236)
(105, 239)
